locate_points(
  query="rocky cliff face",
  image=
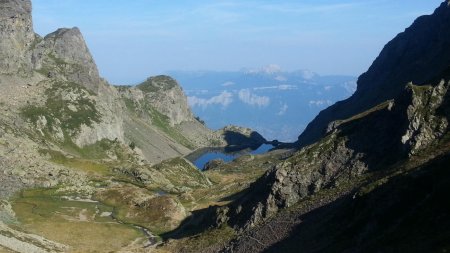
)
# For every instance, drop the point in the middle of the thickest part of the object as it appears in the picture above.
(69, 101)
(16, 37)
(418, 55)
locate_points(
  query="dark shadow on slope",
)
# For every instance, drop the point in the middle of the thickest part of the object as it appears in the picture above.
(201, 220)
(235, 196)
(410, 213)
(378, 135)
(196, 223)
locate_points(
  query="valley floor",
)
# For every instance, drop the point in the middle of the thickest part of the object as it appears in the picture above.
(124, 210)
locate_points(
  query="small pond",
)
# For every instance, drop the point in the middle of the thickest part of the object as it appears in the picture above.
(203, 156)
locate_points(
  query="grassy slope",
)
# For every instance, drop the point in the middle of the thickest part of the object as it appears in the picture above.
(77, 224)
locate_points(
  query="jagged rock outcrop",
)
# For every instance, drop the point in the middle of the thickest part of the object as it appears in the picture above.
(418, 55)
(65, 52)
(63, 66)
(16, 37)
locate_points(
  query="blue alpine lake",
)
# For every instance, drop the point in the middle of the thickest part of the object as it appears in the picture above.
(203, 156)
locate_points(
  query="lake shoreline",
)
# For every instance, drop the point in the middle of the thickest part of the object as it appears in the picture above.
(201, 157)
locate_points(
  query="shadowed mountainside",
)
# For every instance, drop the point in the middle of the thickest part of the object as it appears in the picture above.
(418, 55)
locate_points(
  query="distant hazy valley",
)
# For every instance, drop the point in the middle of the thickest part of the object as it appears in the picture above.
(275, 103)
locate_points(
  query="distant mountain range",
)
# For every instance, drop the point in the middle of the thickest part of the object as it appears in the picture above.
(276, 103)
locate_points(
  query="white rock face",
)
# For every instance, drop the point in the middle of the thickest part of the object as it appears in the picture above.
(172, 103)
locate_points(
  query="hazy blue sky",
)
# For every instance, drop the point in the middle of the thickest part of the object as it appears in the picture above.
(131, 40)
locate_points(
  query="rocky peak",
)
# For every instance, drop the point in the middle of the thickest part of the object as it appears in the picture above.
(67, 49)
(419, 55)
(168, 98)
(158, 83)
(16, 36)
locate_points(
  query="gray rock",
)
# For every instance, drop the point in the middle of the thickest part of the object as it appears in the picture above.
(16, 37)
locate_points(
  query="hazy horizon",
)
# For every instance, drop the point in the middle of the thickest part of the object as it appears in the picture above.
(133, 40)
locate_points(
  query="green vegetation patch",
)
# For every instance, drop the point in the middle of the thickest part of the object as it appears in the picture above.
(97, 150)
(130, 104)
(67, 107)
(157, 83)
(86, 165)
(57, 60)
